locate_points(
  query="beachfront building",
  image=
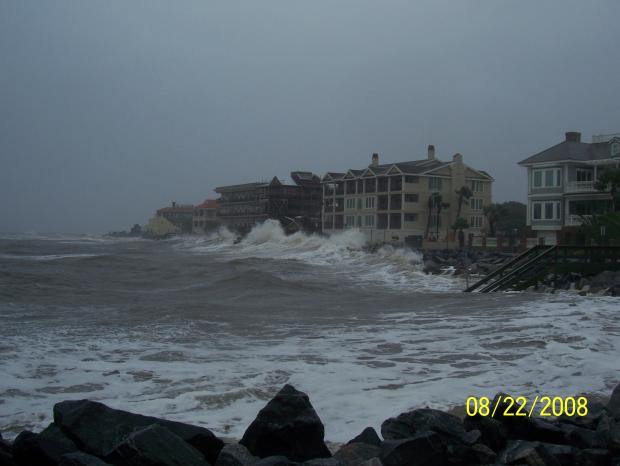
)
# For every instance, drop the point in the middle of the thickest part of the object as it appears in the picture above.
(297, 205)
(205, 217)
(413, 202)
(561, 186)
(179, 215)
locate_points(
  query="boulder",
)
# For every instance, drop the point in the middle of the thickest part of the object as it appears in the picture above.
(53, 432)
(613, 407)
(423, 449)
(372, 462)
(288, 425)
(592, 457)
(33, 449)
(493, 433)
(564, 454)
(97, 429)
(275, 461)
(481, 454)
(155, 446)
(355, 453)
(235, 454)
(369, 436)
(322, 462)
(522, 452)
(79, 458)
(409, 424)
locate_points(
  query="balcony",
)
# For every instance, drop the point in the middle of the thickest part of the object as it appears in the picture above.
(580, 187)
(576, 220)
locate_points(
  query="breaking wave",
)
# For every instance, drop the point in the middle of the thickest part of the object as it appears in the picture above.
(343, 252)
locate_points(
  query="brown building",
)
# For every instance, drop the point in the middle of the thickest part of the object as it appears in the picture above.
(296, 205)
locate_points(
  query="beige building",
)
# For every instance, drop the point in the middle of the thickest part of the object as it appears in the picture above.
(413, 202)
(205, 217)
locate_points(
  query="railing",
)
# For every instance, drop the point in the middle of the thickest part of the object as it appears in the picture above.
(580, 186)
(576, 220)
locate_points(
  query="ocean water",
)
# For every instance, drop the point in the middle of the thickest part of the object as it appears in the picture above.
(202, 330)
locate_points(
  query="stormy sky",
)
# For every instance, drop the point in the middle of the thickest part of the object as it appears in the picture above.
(110, 109)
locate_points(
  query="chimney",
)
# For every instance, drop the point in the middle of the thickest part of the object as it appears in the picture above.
(431, 152)
(573, 136)
(457, 158)
(174, 204)
(375, 160)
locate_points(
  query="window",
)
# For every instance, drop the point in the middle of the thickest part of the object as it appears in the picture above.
(350, 203)
(369, 220)
(349, 221)
(584, 174)
(434, 184)
(412, 179)
(548, 210)
(411, 217)
(370, 202)
(359, 204)
(411, 198)
(477, 186)
(475, 222)
(547, 178)
(476, 204)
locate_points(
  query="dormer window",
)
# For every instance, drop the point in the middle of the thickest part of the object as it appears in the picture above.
(615, 149)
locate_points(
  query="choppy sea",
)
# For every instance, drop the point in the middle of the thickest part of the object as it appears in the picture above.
(203, 330)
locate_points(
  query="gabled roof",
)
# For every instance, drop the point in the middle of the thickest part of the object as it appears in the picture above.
(207, 204)
(332, 176)
(571, 150)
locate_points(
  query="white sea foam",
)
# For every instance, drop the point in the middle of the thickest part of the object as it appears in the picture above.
(394, 267)
(356, 373)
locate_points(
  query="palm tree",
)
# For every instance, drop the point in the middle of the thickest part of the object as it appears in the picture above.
(609, 181)
(463, 193)
(492, 212)
(435, 205)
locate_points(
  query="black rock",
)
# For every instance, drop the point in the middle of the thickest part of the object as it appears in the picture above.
(409, 424)
(521, 452)
(565, 454)
(355, 453)
(493, 433)
(481, 454)
(583, 438)
(534, 429)
(369, 436)
(423, 449)
(614, 403)
(53, 432)
(592, 457)
(235, 454)
(275, 461)
(33, 449)
(288, 425)
(155, 446)
(97, 429)
(6, 457)
(372, 462)
(322, 462)
(79, 458)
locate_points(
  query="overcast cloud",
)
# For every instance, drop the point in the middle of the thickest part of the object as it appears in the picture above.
(110, 109)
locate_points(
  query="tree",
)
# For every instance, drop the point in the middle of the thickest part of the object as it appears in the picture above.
(435, 205)
(602, 228)
(460, 224)
(609, 181)
(505, 217)
(463, 193)
(492, 212)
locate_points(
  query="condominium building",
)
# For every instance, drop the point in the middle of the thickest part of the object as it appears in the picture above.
(561, 184)
(296, 205)
(412, 202)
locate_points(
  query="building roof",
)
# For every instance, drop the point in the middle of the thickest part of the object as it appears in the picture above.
(411, 167)
(572, 150)
(208, 204)
(177, 209)
(241, 187)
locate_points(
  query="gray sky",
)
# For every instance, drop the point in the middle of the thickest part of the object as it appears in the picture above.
(112, 108)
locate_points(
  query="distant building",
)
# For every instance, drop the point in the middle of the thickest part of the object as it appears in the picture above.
(412, 202)
(296, 205)
(205, 217)
(159, 227)
(561, 185)
(181, 216)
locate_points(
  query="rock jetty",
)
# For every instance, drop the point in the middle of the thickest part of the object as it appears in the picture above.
(288, 432)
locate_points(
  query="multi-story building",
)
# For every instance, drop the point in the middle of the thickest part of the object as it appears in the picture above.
(296, 205)
(205, 217)
(181, 216)
(561, 184)
(413, 202)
